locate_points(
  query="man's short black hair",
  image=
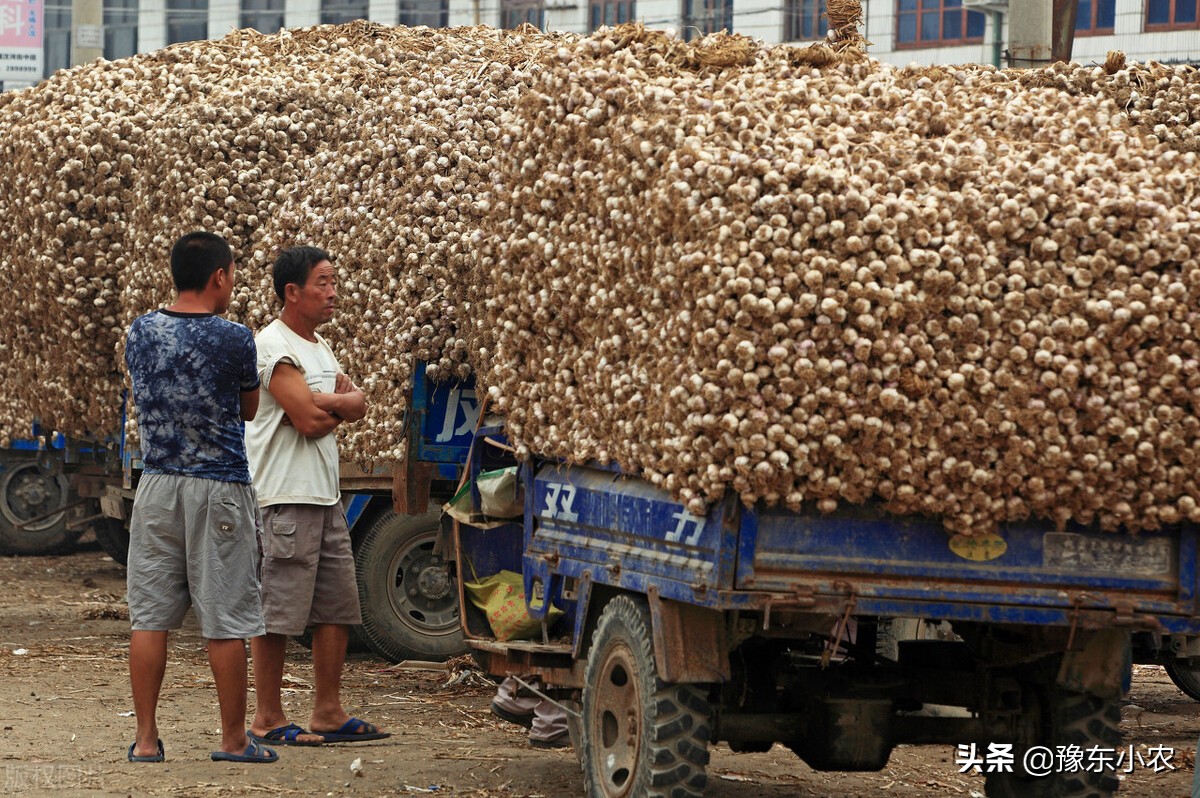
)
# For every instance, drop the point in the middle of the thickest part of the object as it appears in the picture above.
(294, 265)
(195, 257)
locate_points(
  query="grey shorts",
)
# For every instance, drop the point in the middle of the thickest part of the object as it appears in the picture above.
(195, 542)
(308, 568)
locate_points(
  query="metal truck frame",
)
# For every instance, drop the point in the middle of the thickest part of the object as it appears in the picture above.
(755, 626)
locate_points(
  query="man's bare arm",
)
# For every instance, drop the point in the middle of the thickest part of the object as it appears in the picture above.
(299, 402)
(249, 404)
(347, 402)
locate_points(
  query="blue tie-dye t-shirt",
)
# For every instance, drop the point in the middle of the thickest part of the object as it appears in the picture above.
(189, 370)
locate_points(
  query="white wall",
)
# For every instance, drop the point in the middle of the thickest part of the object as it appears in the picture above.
(761, 19)
(224, 16)
(569, 16)
(152, 26)
(298, 13)
(660, 14)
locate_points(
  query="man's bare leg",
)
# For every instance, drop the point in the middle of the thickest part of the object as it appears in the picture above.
(329, 657)
(269, 652)
(147, 666)
(228, 661)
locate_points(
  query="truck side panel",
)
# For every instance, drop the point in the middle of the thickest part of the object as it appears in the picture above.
(1034, 576)
(627, 533)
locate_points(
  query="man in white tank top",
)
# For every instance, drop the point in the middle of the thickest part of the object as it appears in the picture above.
(308, 566)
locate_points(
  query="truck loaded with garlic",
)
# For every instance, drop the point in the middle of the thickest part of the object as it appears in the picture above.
(786, 273)
(796, 277)
(859, 343)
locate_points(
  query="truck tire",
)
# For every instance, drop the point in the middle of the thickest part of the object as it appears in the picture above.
(409, 600)
(640, 736)
(1078, 719)
(355, 645)
(893, 630)
(113, 536)
(1186, 677)
(29, 491)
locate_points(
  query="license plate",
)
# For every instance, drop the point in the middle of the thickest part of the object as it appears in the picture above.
(1113, 555)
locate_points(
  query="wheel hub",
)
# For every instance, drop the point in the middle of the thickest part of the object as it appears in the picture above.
(434, 583)
(616, 722)
(422, 593)
(26, 491)
(30, 492)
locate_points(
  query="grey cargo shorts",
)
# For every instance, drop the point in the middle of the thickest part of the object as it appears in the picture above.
(308, 568)
(195, 542)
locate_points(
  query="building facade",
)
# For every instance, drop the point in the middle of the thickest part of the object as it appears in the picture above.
(901, 31)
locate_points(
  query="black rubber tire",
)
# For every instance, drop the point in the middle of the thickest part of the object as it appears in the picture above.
(29, 491)
(1186, 678)
(113, 536)
(1079, 719)
(355, 645)
(394, 557)
(640, 736)
(893, 630)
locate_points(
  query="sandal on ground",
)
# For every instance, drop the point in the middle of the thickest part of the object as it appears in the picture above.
(285, 735)
(254, 753)
(353, 730)
(159, 757)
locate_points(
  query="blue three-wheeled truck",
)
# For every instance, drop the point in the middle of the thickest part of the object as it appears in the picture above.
(755, 626)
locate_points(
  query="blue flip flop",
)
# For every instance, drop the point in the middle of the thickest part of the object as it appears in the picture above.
(353, 730)
(253, 753)
(159, 757)
(284, 735)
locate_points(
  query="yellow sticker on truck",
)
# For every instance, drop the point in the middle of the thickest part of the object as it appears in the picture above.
(979, 548)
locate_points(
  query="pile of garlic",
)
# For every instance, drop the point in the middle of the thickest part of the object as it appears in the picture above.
(969, 293)
(796, 274)
(373, 143)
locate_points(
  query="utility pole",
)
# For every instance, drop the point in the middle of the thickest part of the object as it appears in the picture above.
(87, 31)
(1040, 32)
(1066, 12)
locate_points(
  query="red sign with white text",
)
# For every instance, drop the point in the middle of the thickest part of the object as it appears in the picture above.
(21, 40)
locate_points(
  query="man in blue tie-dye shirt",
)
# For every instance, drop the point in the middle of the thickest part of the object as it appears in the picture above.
(194, 538)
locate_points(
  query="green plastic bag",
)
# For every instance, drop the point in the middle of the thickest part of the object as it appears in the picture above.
(502, 597)
(499, 494)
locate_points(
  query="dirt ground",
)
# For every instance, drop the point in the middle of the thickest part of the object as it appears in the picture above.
(66, 720)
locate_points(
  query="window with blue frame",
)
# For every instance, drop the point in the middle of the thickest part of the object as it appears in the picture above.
(1171, 14)
(937, 23)
(56, 36)
(1095, 17)
(187, 21)
(610, 12)
(804, 20)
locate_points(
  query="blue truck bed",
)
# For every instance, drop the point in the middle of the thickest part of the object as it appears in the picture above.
(757, 626)
(592, 520)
